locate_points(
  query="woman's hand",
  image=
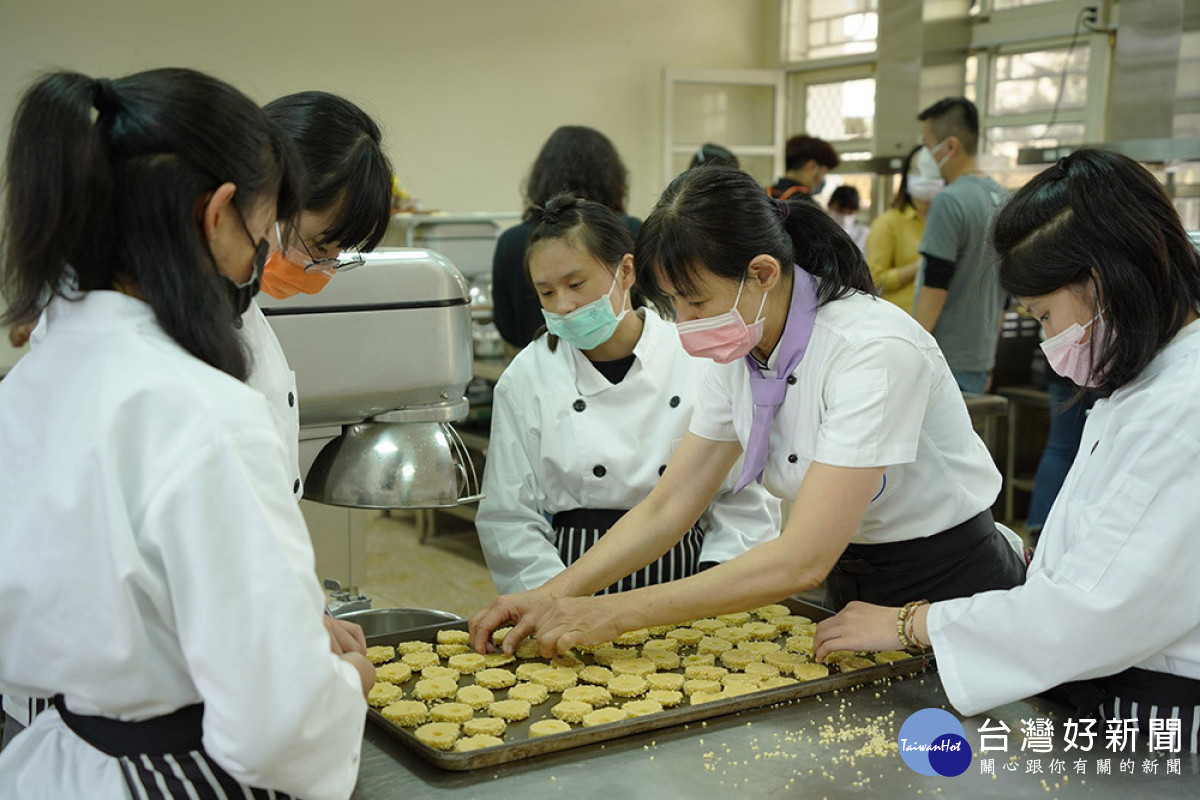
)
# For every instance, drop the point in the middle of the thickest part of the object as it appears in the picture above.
(521, 610)
(571, 621)
(366, 670)
(858, 626)
(345, 637)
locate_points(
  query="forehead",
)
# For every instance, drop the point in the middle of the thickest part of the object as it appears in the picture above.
(701, 283)
(552, 259)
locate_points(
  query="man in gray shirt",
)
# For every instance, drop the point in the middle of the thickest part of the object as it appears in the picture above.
(958, 296)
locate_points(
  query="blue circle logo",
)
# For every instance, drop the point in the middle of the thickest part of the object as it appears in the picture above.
(933, 742)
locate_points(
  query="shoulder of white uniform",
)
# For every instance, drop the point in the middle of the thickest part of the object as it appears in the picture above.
(528, 367)
(860, 318)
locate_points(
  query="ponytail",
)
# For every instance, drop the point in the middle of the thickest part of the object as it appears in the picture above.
(717, 219)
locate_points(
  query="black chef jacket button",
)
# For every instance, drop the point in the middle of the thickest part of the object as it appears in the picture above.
(791, 380)
(579, 405)
(675, 401)
(662, 469)
(599, 470)
(291, 399)
(296, 486)
(793, 458)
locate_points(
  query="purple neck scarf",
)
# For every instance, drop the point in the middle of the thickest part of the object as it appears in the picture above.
(768, 392)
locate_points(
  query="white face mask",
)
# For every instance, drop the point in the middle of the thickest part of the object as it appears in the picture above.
(922, 188)
(928, 166)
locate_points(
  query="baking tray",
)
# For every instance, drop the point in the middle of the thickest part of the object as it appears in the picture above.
(522, 747)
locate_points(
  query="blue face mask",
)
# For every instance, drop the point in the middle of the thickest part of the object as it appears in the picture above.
(587, 326)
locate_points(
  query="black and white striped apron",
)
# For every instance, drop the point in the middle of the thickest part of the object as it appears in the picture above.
(576, 531)
(162, 757)
(1139, 694)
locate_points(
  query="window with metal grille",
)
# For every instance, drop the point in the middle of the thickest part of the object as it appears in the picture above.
(841, 111)
(829, 28)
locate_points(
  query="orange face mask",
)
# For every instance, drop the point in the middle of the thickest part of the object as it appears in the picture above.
(283, 278)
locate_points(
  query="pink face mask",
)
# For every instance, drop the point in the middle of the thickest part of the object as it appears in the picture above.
(1070, 356)
(725, 337)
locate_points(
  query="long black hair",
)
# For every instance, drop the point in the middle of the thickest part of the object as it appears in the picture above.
(593, 228)
(903, 199)
(1068, 225)
(718, 219)
(580, 161)
(105, 186)
(344, 162)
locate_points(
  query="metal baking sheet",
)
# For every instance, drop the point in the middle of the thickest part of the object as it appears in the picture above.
(522, 747)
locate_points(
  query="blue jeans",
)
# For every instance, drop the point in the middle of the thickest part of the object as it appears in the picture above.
(1062, 443)
(968, 380)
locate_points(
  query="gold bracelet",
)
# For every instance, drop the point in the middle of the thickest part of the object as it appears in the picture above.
(904, 628)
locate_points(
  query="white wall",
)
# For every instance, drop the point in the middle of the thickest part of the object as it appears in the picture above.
(466, 90)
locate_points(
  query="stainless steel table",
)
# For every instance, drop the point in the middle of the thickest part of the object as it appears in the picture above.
(778, 752)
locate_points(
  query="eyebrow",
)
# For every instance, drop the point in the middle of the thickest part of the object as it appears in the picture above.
(573, 273)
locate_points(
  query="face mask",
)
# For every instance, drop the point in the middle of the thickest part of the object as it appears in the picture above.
(1070, 357)
(590, 325)
(923, 188)
(240, 294)
(820, 187)
(847, 221)
(725, 337)
(927, 165)
(283, 278)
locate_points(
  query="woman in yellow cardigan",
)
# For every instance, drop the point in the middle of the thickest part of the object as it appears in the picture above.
(896, 233)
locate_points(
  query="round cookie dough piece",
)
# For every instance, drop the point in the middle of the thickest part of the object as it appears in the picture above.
(735, 634)
(525, 671)
(855, 662)
(380, 654)
(591, 648)
(605, 656)
(602, 716)
(738, 659)
(596, 674)
(447, 636)
(419, 661)
(691, 687)
(771, 611)
(739, 688)
(571, 710)
(688, 636)
(641, 708)
(467, 663)
(714, 645)
(634, 637)
(761, 631)
(888, 656)
(497, 659)
(568, 661)
(495, 678)
(488, 726)
(704, 673)
(741, 679)
(555, 679)
(665, 643)
(438, 735)
(634, 666)
(475, 696)
(405, 648)
(594, 696)
(672, 681)
(799, 644)
(440, 672)
(547, 727)
(667, 698)
(406, 713)
(736, 618)
(448, 650)
(383, 694)
(477, 742)
(660, 630)
(705, 697)
(778, 682)
(510, 710)
(627, 685)
(762, 670)
(393, 673)
(499, 634)
(810, 672)
(435, 688)
(528, 648)
(708, 625)
(532, 693)
(761, 649)
(663, 659)
(698, 658)
(784, 662)
(451, 712)
(789, 623)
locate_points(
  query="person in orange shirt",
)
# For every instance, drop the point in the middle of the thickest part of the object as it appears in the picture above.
(895, 235)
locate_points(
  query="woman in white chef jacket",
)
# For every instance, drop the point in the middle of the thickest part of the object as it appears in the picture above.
(585, 419)
(157, 578)
(838, 400)
(1110, 611)
(347, 206)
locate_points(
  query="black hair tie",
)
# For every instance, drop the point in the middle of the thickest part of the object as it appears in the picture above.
(1062, 164)
(549, 216)
(784, 208)
(104, 97)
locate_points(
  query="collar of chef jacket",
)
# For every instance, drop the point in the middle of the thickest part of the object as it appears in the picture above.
(589, 381)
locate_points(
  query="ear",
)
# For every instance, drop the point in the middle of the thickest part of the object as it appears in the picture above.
(766, 270)
(626, 276)
(217, 205)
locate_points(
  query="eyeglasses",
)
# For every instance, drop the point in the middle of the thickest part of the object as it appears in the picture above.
(310, 263)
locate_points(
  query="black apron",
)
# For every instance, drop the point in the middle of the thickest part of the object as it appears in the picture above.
(1139, 694)
(969, 558)
(162, 757)
(576, 531)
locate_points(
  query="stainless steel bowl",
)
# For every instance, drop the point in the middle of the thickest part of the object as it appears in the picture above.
(382, 621)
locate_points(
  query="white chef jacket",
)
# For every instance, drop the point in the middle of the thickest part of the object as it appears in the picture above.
(271, 375)
(563, 438)
(872, 390)
(153, 558)
(1113, 582)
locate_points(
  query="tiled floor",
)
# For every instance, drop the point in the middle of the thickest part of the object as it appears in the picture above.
(446, 573)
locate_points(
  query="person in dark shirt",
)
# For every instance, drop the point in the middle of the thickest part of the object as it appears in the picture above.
(577, 160)
(809, 159)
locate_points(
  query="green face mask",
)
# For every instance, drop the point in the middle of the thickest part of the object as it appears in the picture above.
(587, 326)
